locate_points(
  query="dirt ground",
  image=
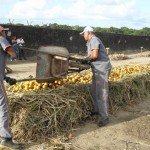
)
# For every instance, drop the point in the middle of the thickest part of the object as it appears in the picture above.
(128, 129)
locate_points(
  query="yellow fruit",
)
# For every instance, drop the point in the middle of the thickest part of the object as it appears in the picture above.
(44, 86)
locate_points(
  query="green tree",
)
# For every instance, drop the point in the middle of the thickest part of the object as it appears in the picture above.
(76, 27)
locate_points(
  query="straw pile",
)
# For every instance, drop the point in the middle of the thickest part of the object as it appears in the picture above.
(119, 57)
(37, 116)
(144, 54)
(129, 90)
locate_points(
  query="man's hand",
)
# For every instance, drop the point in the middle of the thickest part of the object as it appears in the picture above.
(10, 81)
(86, 61)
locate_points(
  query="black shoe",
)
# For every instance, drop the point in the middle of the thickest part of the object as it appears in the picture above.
(103, 122)
(8, 143)
(93, 113)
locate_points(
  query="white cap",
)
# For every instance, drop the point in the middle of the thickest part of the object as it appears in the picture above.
(87, 29)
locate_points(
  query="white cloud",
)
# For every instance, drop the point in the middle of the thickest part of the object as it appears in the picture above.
(27, 9)
(54, 13)
(77, 11)
(96, 9)
(6, 2)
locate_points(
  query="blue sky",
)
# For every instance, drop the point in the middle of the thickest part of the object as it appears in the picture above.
(97, 13)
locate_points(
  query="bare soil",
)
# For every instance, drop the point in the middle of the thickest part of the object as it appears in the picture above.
(129, 129)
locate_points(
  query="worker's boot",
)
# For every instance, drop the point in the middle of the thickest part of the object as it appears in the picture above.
(93, 113)
(103, 122)
(8, 143)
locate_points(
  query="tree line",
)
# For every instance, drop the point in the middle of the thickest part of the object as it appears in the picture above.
(123, 30)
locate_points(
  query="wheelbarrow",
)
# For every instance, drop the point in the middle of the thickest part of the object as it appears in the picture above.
(54, 62)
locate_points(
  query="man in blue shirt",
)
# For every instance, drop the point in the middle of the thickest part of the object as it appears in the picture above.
(99, 61)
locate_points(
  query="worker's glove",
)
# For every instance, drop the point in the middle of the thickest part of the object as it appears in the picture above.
(10, 81)
(87, 60)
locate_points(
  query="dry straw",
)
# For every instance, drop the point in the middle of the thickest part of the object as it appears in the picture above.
(39, 115)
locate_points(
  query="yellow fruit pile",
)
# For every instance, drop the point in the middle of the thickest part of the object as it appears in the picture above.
(77, 78)
(119, 72)
(34, 86)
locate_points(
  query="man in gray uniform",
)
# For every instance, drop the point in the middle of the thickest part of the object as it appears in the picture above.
(5, 133)
(98, 58)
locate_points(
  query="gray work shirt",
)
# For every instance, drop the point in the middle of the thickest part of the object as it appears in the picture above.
(3, 45)
(102, 63)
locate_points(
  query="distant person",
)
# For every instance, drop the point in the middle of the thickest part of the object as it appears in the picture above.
(99, 61)
(21, 44)
(5, 133)
(15, 46)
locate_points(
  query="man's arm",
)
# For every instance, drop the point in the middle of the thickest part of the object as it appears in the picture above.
(94, 54)
(9, 50)
(7, 47)
(95, 45)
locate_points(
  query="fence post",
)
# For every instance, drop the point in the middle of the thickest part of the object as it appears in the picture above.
(141, 49)
(108, 50)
